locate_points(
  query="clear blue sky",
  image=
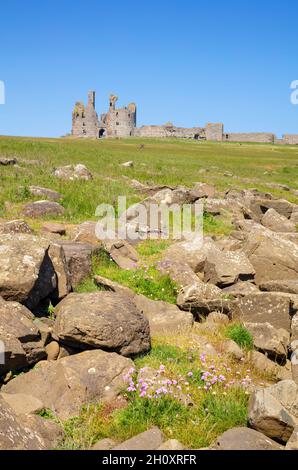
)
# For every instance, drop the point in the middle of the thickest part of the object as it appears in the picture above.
(185, 61)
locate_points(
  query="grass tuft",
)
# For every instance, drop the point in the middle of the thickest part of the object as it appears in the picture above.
(241, 336)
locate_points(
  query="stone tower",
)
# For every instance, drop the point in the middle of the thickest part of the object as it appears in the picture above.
(85, 119)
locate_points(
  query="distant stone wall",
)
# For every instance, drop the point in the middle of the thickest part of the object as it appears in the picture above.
(214, 131)
(259, 137)
(170, 131)
(121, 122)
(291, 139)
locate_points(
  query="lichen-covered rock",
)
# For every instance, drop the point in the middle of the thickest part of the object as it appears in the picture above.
(20, 336)
(124, 254)
(274, 410)
(148, 440)
(64, 386)
(269, 340)
(73, 172)
(45, 192)
(43, 208)
(30, 270)
(164, 318)
(103, 320)
(264, 307)
(245, 439)
(201, 299)
(273, 256)
(14, 434)
(14, 226)
(78, 258)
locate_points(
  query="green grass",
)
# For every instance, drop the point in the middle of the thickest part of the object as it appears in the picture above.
(216, 226)
(196, 426)
(241, 336)
(212, 412)
(145, 280)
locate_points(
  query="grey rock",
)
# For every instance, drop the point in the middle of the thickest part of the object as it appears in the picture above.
(273, 308)
(163, 317)
(64, 386)
(273, 410)
(14, 226)
(15, 435)
(43, 208)
(148, 440)
(202, 299)
(245, 439)
(73, 172)
(271, 341)
(20, 336)
(45, 192)
(103, 320)
(277, 222)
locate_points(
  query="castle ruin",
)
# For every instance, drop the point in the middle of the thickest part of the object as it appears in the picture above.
(122, 122)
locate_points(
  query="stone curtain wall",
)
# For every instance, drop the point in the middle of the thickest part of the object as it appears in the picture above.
(291, 139)
(258, 137)
(170, 131)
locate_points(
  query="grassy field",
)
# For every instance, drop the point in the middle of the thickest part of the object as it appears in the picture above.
(169, 162)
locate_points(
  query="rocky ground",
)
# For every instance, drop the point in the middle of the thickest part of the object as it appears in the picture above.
(156, 345)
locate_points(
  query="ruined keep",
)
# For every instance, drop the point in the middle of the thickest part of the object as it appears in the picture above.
(122, 122)
(115, 123)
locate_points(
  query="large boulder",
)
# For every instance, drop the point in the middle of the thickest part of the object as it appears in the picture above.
(14, 434)
(202, 299)
(73, 172)
(28, 273)
(14, 226)
(190, 253)
(78, 258)
(224, 268)
(277, 222)
(103, 320)
(64, 386)
(292, 443)
(219, 267)
(272, 341)
(20, 336)
(273, 256)
(204, 190)
(164, 318)
(261, 206)
(45, 192)
(113, 286)
(274, 410)
(178, 271)
(86, 233)
(263, 307)
(124, 254)
(240, 289)
(244, 439)
(287, 286)
(148, 440)
(265, 366)
(42, 209)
